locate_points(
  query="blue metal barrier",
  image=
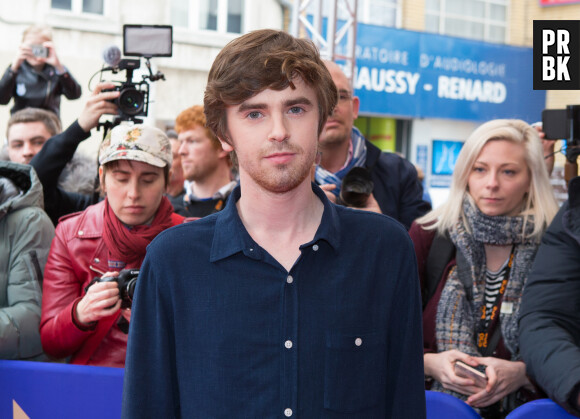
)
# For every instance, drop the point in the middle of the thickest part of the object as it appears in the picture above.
(45, 390)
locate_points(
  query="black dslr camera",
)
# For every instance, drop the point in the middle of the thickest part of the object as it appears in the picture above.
(563, 124)
(357, 185)
(145, 41)
(126, 281)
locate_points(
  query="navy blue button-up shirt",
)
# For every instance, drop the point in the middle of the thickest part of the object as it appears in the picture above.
(219, 329)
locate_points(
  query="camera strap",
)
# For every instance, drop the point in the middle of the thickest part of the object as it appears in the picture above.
(487, 334)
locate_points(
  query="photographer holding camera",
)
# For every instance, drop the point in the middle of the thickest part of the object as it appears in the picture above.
(81, 318)
(37, 78)
(396, 190)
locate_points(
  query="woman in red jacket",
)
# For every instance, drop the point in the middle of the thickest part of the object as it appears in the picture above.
(83, 319)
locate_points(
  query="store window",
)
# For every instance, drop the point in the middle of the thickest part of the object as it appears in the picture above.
(80, 6)
(378, 12)
(374, 12)
(224, 16)
(484, 20)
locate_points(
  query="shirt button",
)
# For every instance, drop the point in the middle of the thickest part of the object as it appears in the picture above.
(289, 279)
(81, 232)
(288, 344)
(251, 249)
(288, 412)
(315, 247)
(358, 341)
(97, 260)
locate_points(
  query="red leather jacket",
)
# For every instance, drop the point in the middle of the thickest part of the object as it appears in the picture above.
(77, 255)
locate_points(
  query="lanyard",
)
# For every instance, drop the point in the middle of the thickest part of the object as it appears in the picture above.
(482, 332)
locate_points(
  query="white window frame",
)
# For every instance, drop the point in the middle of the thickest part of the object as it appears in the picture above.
(222, 18)
(77, 9)
(365, 6)
(443, 15)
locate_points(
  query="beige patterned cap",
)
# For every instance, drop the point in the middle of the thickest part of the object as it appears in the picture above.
(136, 142)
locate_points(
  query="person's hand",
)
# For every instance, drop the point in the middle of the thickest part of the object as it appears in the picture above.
(52, 58)
(98, 105)
(441, 366)
(372, 205)
(101, 300)
(24, 52)
(327, 188)
(503, 377)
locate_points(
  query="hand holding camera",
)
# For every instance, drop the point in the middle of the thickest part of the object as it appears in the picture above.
(102, 299)
(99, 103)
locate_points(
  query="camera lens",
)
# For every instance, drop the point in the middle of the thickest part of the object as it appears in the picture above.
(356, 188)
(131, 101)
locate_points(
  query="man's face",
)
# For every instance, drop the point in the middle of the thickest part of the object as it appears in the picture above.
(339, 125)
(199, 156)
(25, 140)
(176, 169)
(274, 134)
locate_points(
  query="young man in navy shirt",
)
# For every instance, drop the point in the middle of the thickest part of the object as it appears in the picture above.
(283, 304)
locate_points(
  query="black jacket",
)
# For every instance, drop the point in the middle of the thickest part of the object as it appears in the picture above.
(196, 209)
(49, 162)
(396, 186)
(550, 312)
(33, 89)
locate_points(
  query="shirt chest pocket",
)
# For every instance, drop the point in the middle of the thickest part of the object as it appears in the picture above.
(354, 371)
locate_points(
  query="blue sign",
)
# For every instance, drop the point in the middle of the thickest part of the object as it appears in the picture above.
(422, 155)
(445, 155)
(424, 75)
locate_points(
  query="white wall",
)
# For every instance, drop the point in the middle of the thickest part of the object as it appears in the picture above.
(80, 41)
(424, 131)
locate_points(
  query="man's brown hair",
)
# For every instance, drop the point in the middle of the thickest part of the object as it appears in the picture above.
(48, 119)
(260, 60)
(194, 117)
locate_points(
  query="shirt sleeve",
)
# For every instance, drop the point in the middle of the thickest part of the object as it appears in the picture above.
(405, 388)
(150, 387)
(7, 86)
(49, 163)
(70, 87)
(25, 258)
(61, 290)
(550, 318)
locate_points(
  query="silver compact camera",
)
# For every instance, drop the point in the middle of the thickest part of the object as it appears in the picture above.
(39, 51)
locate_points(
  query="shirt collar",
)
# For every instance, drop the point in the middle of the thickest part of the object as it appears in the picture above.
(230, 235)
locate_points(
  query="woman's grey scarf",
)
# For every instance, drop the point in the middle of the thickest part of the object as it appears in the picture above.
(456, 313)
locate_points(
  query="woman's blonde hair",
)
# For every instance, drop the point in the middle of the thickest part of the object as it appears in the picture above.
(539, 202)
(43, 31)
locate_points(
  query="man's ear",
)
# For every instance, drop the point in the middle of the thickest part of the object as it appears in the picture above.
(225, 145)
(355, 106)
(102, 180)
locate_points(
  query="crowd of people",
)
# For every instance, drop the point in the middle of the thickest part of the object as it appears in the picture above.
(256, 277)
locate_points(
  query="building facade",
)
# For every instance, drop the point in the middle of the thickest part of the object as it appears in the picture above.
(427, 71)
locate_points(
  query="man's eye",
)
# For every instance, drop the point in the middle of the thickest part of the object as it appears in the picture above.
(254, 115)
(296, 109)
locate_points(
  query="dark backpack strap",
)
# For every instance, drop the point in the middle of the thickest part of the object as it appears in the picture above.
(441, 252)
(464, 274)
